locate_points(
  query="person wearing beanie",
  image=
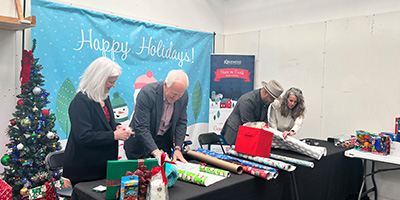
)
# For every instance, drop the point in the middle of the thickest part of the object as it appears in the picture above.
(251, 107)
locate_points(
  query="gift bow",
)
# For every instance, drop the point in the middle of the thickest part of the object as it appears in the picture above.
(49, 194)
(144, 177)
(155, 170)
(26, 66)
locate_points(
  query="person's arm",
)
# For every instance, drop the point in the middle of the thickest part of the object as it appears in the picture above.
(297, 125)
(82, 123)
(246, 109)
(180, 130)
(272, 120)
(141, 119)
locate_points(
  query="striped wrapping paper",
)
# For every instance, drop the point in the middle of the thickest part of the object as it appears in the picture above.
(292, 160)
(268, 161)
(273, 172)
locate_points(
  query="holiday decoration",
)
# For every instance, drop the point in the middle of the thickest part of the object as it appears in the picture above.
(20, 146)
(28, 146)
(50, 135)
(20, 102)
(5, 160)
(45, 112)
(36, 90)
(24, 191)
(25, 122)
(35, 109)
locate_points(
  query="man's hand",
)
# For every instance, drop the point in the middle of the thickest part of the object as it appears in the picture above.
(178, 156)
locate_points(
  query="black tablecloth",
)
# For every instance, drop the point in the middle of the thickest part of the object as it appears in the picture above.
(333, 177)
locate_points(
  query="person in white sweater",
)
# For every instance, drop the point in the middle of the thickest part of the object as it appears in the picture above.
(287, 112)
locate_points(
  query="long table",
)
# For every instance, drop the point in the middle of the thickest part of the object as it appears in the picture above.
(333, 177)
(368, 156)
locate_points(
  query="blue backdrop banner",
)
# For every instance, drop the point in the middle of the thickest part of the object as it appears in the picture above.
(70, 38)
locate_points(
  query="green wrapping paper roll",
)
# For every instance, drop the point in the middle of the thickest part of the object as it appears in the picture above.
(192, 177)
(211, 170)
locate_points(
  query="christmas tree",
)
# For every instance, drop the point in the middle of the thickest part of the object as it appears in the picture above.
(31, 131)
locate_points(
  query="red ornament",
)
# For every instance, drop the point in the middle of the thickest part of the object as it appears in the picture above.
(56, 137)
(12, 123)
(45, 112)
(20, 102)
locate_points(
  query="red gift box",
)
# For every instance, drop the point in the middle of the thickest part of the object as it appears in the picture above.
(5, 191)
(254, 141)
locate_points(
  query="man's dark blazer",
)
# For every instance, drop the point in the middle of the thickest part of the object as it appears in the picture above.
(91, 141)
(249, 108)
(146, 121)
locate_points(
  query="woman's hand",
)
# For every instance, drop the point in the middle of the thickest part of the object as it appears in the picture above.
(122, 133)
(286, 133)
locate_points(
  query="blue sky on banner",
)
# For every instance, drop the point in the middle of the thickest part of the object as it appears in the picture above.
(70, 38)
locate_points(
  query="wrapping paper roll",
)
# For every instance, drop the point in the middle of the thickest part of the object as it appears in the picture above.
(259, 172)
(267, 172)
(293, 144)
(193, 178)
(292, 160)
(211, 170)
(270, 162)
(216, 162)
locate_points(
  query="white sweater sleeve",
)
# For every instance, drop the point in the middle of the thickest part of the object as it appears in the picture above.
(297, 124)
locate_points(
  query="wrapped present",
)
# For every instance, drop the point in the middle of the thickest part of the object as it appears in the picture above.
(45, 190)
(129, 187)
(5, 191)
(158, 189)
(363, 141)
(380, 144)
(119, 168)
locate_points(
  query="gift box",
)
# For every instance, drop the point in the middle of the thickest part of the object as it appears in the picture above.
(129, 187)
(254, 141)
(5, 191)
(40, 191)
(395, 149)
(363, 141)
(380, 144)
(119, 168)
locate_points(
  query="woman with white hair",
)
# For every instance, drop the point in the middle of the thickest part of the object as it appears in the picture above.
(287, 112)
(94, 134)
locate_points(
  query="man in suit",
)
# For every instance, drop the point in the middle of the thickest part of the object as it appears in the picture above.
(251, 107)
(160, 118)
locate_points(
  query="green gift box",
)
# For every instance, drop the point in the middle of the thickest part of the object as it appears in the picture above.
(119, 168)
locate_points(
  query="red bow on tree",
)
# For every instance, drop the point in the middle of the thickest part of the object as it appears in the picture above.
(27, 58)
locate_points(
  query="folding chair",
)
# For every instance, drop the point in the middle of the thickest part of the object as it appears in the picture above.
(54, 161)
(210, 138)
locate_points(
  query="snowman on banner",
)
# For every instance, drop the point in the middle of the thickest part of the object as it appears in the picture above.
(121, 112)
(140, 82)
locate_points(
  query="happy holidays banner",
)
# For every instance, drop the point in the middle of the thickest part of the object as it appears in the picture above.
(70, 38)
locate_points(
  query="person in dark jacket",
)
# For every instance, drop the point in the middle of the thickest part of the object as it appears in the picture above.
(251, 107)
(94, 134)
(160, 118)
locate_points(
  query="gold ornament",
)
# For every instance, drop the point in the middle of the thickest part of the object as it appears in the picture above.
(24, 191)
